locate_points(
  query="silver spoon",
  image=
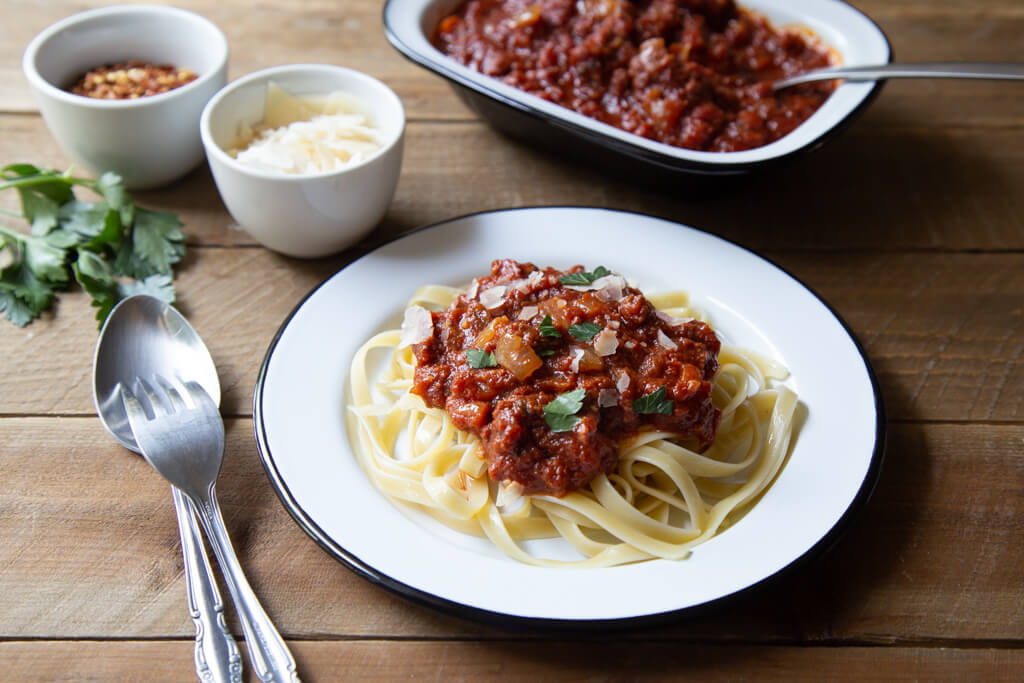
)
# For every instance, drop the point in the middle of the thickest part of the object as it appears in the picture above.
(141, 337)
(990, 70)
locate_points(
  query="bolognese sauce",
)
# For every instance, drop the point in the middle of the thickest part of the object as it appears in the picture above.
(689, 73)
(552, 369)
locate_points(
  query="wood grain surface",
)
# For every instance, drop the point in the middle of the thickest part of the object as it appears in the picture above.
(910, 225)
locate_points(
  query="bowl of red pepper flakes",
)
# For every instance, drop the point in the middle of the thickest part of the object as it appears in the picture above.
(122, 88)
(648, 89)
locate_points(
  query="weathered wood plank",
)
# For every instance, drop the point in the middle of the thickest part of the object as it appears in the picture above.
(543, 662)
(869, 189)
(91, 550)
(945, 332)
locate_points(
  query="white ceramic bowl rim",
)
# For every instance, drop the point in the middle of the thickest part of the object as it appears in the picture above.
(41, 40)
(266, 75)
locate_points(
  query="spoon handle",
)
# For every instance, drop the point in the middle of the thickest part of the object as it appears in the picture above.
(988, 70)
(271, 660)
(217, 657)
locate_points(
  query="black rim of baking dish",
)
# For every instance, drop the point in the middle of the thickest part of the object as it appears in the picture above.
(608, 143)
(505, 620)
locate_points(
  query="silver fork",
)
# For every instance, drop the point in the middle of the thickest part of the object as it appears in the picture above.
(181, 434)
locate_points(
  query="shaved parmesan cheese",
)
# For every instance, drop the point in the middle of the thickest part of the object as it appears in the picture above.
(666, 342)
(509, 493)
(606, 342)
(474, 289)
(622, 383)
(610, 287)
(417, 326)
(304, 135)
(528, 313)
(671, 319)
(492, 297)
(577, 355)
(607, 398)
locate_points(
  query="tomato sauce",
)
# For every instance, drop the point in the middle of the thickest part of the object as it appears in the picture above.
(689, 73)
(552, 375)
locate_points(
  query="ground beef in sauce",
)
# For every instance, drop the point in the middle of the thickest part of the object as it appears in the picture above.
(636, 352)
(689, 73)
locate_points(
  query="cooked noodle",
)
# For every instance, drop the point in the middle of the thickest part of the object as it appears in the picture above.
(663, 498)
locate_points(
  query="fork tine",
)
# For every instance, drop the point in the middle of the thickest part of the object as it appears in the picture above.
(198, 394)
(132, 408)
(157, 400)
(171, 391)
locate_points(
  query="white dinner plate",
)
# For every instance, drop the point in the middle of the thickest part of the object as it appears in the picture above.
(300, 401)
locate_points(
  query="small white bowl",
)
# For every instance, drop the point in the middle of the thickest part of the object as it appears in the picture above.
(149, 141)
(304, 215)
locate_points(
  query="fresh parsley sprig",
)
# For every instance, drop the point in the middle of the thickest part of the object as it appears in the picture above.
(654, 403)
(478, 358)
(548, 329)
(585, 331)
(585, 277)
(112, 247)
(560, 412)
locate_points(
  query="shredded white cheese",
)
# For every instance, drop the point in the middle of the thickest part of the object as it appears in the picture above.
(664, 340)
(417, 326)
(606, 342)
(303, 135)
(492, 297)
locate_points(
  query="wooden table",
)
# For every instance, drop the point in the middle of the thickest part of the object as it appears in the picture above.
(911, 225)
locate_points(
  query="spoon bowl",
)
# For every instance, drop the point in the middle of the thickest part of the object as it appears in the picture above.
(144, 336)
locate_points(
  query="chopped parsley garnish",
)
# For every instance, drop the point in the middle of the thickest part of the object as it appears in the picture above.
(548, 329)
(100, 244)
(560, 413)
(584, 332)
(654, 403)
(544, 353)
(585, 277)
(478, 358)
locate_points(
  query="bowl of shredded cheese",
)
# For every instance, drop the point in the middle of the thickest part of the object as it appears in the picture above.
(306, 157)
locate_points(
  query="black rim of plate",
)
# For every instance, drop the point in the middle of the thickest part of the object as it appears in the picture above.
(504, 620)
(664, 161)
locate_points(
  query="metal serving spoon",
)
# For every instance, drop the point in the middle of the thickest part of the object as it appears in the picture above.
(993, 70)
(141, 337)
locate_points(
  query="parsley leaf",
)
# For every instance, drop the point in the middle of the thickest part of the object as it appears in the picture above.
(560, 412)
(544, 353)
(478, 358)
(584, 277)
(94, 241)
(584, 332)
(548, 329)
(654, 403)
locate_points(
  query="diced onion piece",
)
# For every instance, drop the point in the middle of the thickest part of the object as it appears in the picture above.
(417, 326)
(606, 342)
(607, 398)
(474, 289)
(664, 340)
(591, 362)
(492, 297)
(516, 356)
(528, 313)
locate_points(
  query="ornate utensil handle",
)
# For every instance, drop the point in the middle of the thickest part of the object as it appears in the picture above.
(269, 655)
(217, 656)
